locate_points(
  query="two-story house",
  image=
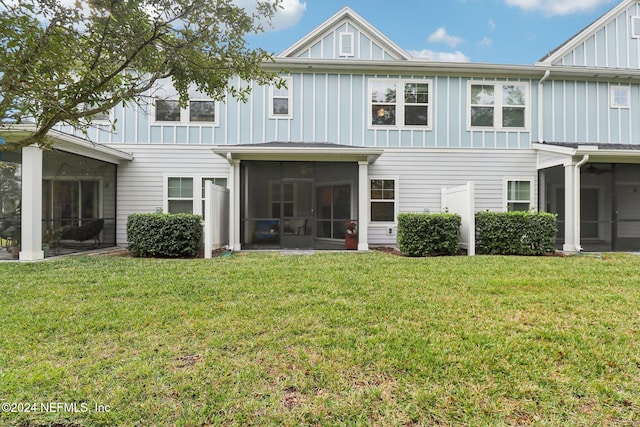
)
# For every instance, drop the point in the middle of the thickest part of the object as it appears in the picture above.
(364, 131)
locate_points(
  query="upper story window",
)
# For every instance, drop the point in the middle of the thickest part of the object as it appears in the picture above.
(498, 105)
(198, 111)
(346, 44)
(635, 27)
(620, 96)
(103, 117)
(400, 103)
(280, 100)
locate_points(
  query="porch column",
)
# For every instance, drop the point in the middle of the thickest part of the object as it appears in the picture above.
(363, 206)
(234, 205)
(570, 189)
(31, 206)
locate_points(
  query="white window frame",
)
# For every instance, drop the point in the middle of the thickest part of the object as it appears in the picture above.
(185, 114)
(614, 101)
(507, 200)
(289, 97)
(342, 51)
(400, 104)
(100, 122)
(165, 195)
(498, 105)
(635, 27)
(395, 200)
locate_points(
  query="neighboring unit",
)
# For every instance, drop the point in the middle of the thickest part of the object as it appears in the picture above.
(361, 132)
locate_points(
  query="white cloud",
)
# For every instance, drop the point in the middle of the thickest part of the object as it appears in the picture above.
(440, 56)
(441, 36)
(492, 25)
(486, 41)
(288, 13)
(558, 7)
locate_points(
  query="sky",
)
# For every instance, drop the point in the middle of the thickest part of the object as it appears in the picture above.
(491, 31)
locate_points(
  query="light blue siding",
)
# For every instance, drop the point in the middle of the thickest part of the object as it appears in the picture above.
(611, 46)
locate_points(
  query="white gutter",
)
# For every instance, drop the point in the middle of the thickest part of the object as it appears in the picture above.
(541, 106)
(576, 201)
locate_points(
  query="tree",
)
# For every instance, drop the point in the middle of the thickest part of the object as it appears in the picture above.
(62, 63)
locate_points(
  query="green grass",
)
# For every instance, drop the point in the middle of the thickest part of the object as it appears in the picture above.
(329, 339)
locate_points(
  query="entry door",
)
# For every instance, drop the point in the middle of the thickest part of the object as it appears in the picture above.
(297, 213)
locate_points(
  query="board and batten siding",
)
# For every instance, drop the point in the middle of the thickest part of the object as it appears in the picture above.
(364, 47)
(612, 46)
(328, 107)
(581, 111)
(421, 175)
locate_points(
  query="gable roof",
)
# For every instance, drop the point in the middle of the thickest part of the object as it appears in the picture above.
(579, 38)
(349, 16)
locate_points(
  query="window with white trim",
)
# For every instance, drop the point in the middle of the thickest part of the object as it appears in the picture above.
(198, 111)
(518, 195)
(410, 108)
(498, 105)
(383, 200)
(620, 96)
(280, 100)
(635, 27)
(179, 194)
(222, 182)
(346, 44)
(103, 117)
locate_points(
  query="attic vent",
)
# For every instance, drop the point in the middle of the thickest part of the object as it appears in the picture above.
(346, 44)
(635, 27)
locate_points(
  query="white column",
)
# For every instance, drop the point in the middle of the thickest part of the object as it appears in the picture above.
(234, 206)
(363, 206)
(570, 208)
(31, 206)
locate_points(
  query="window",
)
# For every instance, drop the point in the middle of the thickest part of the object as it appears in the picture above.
(99, 118)
(383, 200)
(222, 182)
(620, 97)
(197, 112)
(202, 111)
(498, 106)
(411, 109)
(635, 27)
(179, 195)
(346, 44)
(281, 100)
(518, 195)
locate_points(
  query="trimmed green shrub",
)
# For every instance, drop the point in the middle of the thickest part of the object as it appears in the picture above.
(164, 235)
(421, 234)
(515, 233)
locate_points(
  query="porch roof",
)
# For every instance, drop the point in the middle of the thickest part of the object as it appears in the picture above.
(564, 152)
(68, 143)
(298, 151)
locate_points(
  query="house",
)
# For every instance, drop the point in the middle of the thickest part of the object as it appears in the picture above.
(361, 132)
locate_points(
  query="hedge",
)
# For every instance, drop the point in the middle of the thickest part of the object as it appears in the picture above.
(515, 233)
(421, 234)
(164, 235)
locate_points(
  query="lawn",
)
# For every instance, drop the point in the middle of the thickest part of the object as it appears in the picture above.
(326, 339)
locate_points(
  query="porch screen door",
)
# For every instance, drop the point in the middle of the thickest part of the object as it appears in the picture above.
(297, 213)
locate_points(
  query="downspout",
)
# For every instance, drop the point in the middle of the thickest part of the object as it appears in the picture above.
(576, 201)
(540, 106)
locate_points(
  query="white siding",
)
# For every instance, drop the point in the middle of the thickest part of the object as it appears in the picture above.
(423, 172)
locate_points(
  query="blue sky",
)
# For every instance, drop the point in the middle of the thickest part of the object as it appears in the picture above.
(494, 31)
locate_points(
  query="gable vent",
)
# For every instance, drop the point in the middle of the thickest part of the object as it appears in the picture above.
(346, 44)
(635, 27)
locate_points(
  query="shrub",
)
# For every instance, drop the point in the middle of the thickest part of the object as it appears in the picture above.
(429, 234)
(164, 235)
(515, 233)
